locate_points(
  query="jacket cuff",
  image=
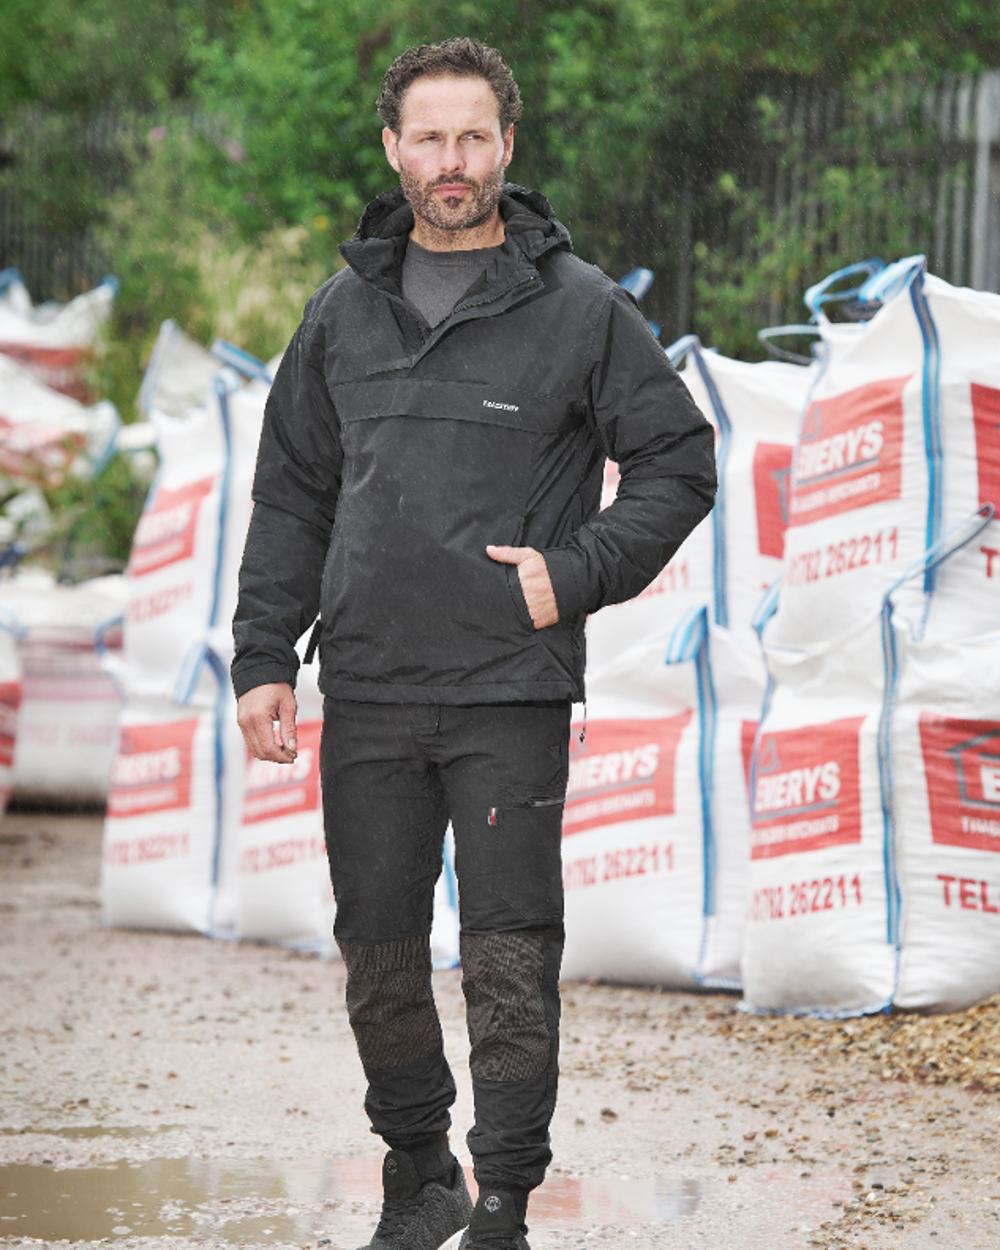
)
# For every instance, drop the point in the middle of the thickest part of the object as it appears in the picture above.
(246, 679)
(566, 573)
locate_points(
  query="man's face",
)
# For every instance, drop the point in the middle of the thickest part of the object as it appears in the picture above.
(450, 153)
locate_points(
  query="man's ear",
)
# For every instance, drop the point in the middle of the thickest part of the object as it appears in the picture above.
(390, 141)
(508, 145)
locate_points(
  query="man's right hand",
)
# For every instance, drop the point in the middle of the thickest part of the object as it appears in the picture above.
(256, 712)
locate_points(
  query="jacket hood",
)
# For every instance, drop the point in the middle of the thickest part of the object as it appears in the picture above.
(380, 240)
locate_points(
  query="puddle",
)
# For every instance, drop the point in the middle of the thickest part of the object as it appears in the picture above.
(89, 1130)
(243, 1201)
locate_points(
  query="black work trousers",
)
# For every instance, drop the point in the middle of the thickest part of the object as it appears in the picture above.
(393, 776)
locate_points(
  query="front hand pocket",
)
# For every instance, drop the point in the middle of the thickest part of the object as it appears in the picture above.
(517, 595)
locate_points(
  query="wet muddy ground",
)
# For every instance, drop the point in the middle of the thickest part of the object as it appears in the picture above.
(163, 1091)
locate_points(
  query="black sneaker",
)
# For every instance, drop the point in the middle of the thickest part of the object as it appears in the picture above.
(494, 1224)
(419, 1216)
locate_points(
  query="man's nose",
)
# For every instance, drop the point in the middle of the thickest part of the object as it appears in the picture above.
(452, 157)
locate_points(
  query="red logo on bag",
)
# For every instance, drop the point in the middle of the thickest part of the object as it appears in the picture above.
(152, 771)
(166, 529)
(10, 701)
(274, 790)
(962, 767)
(772, 469)
(986, 421)
(623, 771)
(58, 367)
(849, 453)
(806, 791)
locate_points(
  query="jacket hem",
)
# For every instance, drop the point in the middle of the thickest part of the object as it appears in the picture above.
(456, 696)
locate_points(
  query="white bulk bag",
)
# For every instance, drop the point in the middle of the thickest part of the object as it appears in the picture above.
(68, 706)
(736, 552)
(821, 881)
(876, 812)
(633, 861)
(174, 569)
(45, 434)
(162, 832)
(899, 440)
(275, 879)
(283, 878)
(946, 772)
(52, 339)
(654, 889)
(965, 589)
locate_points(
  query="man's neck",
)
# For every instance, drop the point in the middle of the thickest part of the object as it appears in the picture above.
(489, 234)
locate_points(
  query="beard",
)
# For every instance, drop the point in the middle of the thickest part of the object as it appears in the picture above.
(452, 212)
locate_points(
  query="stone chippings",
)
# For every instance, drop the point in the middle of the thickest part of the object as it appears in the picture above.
(956, 1048)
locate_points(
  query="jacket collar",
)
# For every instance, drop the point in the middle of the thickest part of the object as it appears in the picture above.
(377, 249)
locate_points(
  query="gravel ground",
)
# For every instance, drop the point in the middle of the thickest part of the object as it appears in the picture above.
(168, 1091)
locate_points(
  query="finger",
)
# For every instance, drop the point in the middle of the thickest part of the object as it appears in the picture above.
(508, 555)
(286, 721)
(260, 739)
(281, 753)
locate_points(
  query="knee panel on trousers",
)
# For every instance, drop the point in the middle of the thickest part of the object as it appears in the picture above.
(390, 1002)
(503, 977)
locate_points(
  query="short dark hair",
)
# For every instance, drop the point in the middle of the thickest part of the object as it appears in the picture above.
(459, 58)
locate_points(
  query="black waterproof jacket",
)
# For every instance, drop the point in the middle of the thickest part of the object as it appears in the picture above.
(392, 453)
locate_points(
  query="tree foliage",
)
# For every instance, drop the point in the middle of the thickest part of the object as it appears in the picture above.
(220, 149)
(246, 116)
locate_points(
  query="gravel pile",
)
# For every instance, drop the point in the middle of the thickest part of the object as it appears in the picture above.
(960, 1047)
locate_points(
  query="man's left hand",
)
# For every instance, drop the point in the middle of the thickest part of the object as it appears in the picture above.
(534, 577)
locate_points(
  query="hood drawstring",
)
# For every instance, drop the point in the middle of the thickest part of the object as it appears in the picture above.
(583, 727)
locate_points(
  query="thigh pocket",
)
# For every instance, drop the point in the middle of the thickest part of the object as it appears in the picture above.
(525, 855)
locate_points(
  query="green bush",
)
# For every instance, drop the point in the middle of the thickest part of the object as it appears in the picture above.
(864, 192)
(242, 144)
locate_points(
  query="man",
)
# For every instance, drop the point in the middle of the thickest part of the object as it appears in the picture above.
(428, 481)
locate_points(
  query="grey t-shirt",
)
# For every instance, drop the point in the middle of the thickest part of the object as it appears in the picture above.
(434, 281)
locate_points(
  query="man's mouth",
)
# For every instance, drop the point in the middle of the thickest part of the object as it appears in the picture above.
(452, 188)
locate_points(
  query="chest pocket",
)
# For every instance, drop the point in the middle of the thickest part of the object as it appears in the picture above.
(428, 399)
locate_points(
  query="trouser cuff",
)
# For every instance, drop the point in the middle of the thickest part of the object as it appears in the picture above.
(432, 1157)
